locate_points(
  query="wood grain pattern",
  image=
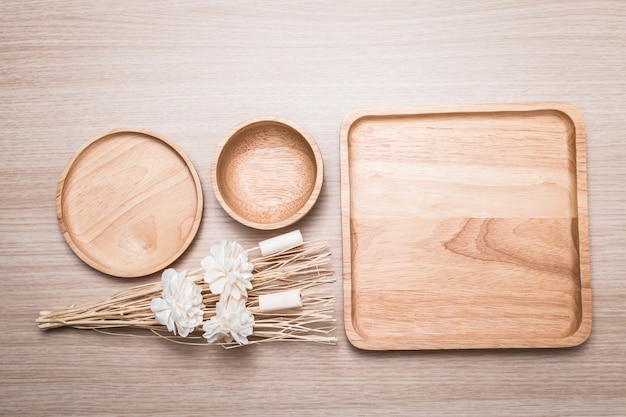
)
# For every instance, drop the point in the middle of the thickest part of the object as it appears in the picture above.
(464, 227)
(191, 71)
(267, 173)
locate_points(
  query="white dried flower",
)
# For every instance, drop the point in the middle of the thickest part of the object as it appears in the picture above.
(181, 308)
(227, 270)
(232, 321)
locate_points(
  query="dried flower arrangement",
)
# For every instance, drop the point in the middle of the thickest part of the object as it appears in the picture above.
(282, 295)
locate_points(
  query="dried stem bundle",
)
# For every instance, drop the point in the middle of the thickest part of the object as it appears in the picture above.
(305, 267)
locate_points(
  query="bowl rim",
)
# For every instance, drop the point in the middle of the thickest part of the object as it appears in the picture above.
(312, 199)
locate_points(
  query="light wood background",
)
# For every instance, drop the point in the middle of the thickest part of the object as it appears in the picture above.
(191, 71)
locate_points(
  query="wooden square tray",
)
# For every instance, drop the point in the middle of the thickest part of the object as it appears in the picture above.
(465, 227)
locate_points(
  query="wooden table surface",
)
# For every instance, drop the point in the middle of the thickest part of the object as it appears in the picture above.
(70, 71)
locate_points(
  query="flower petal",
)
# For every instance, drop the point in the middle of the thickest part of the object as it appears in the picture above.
(217, 287)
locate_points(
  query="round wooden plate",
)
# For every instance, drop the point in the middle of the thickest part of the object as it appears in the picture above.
(267, 173)
(129, 203)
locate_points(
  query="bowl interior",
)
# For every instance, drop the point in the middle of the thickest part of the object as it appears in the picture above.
(268, 174)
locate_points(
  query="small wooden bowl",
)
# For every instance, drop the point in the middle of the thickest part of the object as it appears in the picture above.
(267, 173)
